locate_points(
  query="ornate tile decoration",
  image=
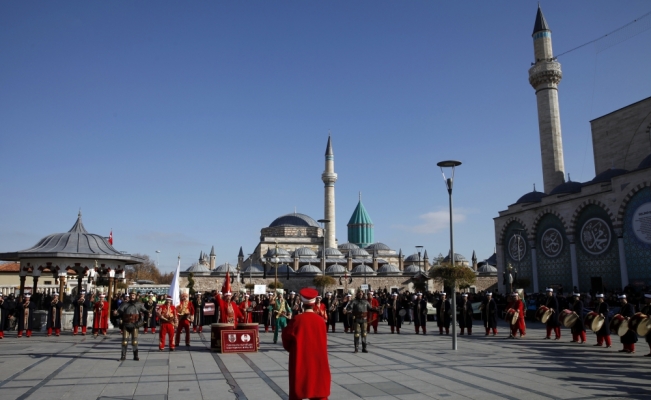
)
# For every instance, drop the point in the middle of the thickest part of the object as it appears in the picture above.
(553, 255)
(597, 254)
(638, 252)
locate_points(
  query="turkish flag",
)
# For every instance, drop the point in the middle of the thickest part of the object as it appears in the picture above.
(111, 238)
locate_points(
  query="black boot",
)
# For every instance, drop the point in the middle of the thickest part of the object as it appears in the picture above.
(135, 355)
(355, 350)
(364, 348)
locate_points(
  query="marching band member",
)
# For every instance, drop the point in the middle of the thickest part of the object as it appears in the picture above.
(54, 315)
(246, 310)
(150, 316)
(647, 310)
(373, 316)
(168, 320)
(100, 316)
(185, 311)
(489, 314)
(420, 313)
(394, 308)
(465, 314)
(443, 314)
(578, 329)
(552, 323)
(198, 321)
(130, 313)
(344, 316)
(603, 334)
(519, 325)
(281, 312)
(26, 316)
(630, 338)
(4, 314)
(321, 310)
(332, 304)
(80, 319)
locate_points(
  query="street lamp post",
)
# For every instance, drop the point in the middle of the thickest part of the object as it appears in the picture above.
(158, 259)
(449, 183)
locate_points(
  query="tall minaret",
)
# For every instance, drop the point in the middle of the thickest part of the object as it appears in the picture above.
(544, 76)
(329, 178)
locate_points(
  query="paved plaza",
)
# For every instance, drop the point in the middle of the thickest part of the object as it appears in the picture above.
(405, 366)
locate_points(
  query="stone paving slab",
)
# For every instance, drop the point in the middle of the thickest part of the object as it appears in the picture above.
(404, 366)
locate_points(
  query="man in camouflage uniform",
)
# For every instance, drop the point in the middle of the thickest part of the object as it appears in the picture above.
(132, 314)
(359, 308)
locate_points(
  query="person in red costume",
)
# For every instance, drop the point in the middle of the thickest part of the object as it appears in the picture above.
(168, 319)
(185, 311)
(246, 310)
(100, 316)
(518, 306)
(373, 316)
(229, 311)
(307, 343)
(320, 310)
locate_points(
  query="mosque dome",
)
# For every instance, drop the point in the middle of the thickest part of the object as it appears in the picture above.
(567, 187)
(282, 270)
(607, 175)
(413, 270)
(348, 246)
(359, 253)
(487, 268)
(255, 269)
(362, 269)
(309, 270)
(646, 163)
(458, 258)
(226, 267)
(414, 258)
(332, 252)
(388, 269)
(304, 252)
(294, 219)
(377, 246)
(335, 269)
(271, 252)
(531, 197)
(198, 268)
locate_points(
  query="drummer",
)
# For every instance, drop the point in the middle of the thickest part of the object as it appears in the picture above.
(489, 313)
(519, 325)
(552, 322)
(647, 310)
(630, 338)
(578, 329)
(603, 334)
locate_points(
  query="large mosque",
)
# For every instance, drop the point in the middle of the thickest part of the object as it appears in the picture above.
(594, 235)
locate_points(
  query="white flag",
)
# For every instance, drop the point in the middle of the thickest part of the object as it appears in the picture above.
(174, 287)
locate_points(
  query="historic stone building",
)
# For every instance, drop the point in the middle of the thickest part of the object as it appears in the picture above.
(593, 235)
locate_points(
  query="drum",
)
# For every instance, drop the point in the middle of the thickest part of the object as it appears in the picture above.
(255, 327)
(593, 321)
(568, 318)
(402, 312)
(639, 324)
(618, 324)
(216, 335)
(512, 316)
(543, 314)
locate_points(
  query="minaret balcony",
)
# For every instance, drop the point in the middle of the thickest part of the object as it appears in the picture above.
(545, 72)
(329, 178)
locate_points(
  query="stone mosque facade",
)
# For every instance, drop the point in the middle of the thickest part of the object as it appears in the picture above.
(305, 249)
(594, 235)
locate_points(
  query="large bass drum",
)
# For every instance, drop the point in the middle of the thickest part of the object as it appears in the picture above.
(543, 314)
(593, 321)
(618, 324)
(568, 318)
(512, 316)
(639, 324)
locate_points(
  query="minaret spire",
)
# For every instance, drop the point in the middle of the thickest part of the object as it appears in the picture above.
(544, 77)
(329, 177)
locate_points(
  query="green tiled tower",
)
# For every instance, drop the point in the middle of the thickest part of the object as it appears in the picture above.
(360, 226)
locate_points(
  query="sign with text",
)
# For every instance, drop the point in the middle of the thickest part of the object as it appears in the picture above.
(363, 287)
(239, 341)
(260, 289)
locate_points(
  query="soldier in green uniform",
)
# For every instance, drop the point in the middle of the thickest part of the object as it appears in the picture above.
(281, 312)
(359, 308)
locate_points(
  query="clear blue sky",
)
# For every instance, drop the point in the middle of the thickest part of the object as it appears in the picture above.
(182, 125)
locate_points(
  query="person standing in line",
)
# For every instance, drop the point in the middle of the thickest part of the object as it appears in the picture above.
(321, 311)
(185, 311)
(168, 320)
(282, 313)
(647, 310)
(630, 338)
(443, 313)
(603, 334)
(489, 314)
(332, 305)
(552, 323)
(465, 315)
(373, 316)
(359, 308)
(100, 316)
(150, 316)
(394, 308)
(4, 315)
(131, 313)
(307, 343)
(578, 329)
(26, 316)
(54, 315)
(519, 324)
(420, 313)
(345, 317)
(246, 310)
(199, 319)
(80, 318)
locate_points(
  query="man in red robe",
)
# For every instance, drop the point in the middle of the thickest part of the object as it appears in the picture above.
(168, 318)
(518, 306)
(185, 311)
(229, 311)
(320, 310)
(307, 343)
(373, 316)
(246, 310)
(100, 316)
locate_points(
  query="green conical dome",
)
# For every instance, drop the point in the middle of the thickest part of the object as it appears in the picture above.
(360, 227)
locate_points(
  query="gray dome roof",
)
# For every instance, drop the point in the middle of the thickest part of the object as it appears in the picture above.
(332, 252)
(531, 197)
(359, 253)
(362, 270)
(198, 268)
(487, 268)
(387, 269)
(348, 246)
(567, 187)
(304, 252)
(309, 270)
(254, 269)
(457, 258)
(414, 258)
(294, 219)
(607, 175)
(226, 267)
(335, 269)
(378, 246)
(281, 252)
(413, 269)
(282, 269)
(646, 163)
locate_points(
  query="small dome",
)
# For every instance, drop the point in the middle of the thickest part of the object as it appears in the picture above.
(198, 268)
(362, 269)
(531, 197)
(607, 175)
(348, 246)
(646, 163)
(335, 269)
(255, 269)
(226, 267)
(458, 258)
(271, 252)
(388, 269)
(414, 258)
(304, 252)
(294, 219)
(282, 269)
(487, 268)
(567, 187)
(378, 246)
(359, 253)
(309, 270)
(332, 252)
(413, 270)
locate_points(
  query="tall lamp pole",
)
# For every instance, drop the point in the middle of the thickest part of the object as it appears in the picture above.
(448, 184)
(158, 259)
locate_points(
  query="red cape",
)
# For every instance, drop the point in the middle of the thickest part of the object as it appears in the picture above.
(223, 315)
(307, 343)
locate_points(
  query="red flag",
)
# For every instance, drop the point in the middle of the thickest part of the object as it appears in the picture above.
(111, 238)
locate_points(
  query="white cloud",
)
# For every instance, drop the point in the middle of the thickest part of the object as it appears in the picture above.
(435, 221)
